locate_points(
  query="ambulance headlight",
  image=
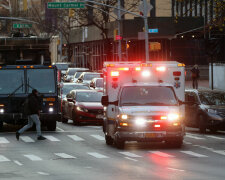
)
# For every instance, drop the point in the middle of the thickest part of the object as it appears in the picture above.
(50, 109)
(173, 117)
(2, 111)
(140, 121)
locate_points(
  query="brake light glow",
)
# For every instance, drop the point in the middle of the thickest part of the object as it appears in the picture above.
(123, 124)
(163, 117)
(176, 73)
(115, 73)
(110, 65)
(157, 126)
(161, 68)
(145, 73)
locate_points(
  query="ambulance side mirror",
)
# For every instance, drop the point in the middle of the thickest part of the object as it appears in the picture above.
(105, 100)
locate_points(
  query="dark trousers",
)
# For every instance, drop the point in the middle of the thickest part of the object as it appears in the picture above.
(195, 83)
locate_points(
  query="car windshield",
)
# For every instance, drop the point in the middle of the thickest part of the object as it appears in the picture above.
(41, 79)
(212, 98)
(67, 88)
(143, 96)
(89, 96)
(12, 81)
(99, 83)
(71, 71)
(78, 74)
(91, 76)
(62, 66)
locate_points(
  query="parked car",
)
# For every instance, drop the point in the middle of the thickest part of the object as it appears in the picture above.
(83, 106)
(208, 111)
(70, 73)
(97, 84)
(86, 77)
(77, 75)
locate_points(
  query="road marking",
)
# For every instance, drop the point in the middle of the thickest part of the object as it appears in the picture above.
(204, 147)
(174, 169)
(51, 138)
(101, 138)
(26, 139)
(161, 154)
(215, 137)
(75, 138)
(95, 127)
(3, 159)
(186, 142)
(131, 159)
(194, 137)
(43, 173)
(130, 154)
(60, 129)
(3, 140)
(193, 154)
(32, 157)
(97, 155)
(220, 152)
(18, 163)
(65, 156)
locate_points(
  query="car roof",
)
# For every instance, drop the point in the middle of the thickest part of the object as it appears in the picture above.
(204, 90)
(78, 84)
(83, 90)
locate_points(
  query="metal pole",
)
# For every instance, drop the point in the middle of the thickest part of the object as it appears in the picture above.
(119, 32)
(146, 30)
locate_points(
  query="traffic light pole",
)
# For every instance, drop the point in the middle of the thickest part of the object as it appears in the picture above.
(146, 31)
(119, 32)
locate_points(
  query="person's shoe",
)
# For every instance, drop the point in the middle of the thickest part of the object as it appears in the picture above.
(17, 135)
(41, 138)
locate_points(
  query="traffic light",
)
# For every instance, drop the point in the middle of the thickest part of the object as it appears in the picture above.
(154, 46)
(71, 12)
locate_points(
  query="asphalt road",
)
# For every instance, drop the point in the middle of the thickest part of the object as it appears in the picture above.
(80, 152)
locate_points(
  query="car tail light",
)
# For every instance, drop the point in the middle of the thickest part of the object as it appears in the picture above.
(176, 73)
(115, 73)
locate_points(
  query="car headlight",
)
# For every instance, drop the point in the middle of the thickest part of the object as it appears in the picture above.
(82, 109)
(2, 111)
(123, 116)
(173, 117)
(212, 111)
(51, 109)
(140, 121)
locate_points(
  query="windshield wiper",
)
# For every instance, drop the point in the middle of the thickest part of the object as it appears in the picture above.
(11, 94)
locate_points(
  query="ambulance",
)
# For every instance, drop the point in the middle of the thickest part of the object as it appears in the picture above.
(144, 102)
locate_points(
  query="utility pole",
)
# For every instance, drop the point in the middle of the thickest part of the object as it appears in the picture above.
(119, 31)
(146, 30)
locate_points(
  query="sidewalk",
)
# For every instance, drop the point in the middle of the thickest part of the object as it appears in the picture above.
(201, 84)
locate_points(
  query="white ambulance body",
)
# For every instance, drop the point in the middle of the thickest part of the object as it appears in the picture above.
(143, 102)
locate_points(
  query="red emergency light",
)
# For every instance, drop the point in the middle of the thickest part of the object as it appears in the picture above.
(176, 73)
(115, 73)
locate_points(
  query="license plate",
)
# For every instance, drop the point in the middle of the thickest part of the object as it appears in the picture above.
(153, 135)
(99, 116)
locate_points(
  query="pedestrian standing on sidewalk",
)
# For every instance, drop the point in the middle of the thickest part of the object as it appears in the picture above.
(195, 76)
(33, 111)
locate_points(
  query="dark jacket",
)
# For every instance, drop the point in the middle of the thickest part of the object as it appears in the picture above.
(34, 104)
(195, 72)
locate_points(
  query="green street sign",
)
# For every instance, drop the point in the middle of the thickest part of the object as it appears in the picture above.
(65, 5)
(22, 25)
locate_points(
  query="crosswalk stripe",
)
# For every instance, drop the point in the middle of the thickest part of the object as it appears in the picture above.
(26, 139)
(220, 152)
(97, 155)
(75, 138)
(130, 154)
(193, 154)
(3, 158)
(18, 163)
(193, 137)
(101, 138)
(215, 137)
(52, 138)
(3, 140)
(161, 154)
(32, 157)
(186, 142)
(65, 156)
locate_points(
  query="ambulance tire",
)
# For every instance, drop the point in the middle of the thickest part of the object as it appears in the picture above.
(176, 143)
(51, 125)
(108, 140)
(202, 124)
(119, 143)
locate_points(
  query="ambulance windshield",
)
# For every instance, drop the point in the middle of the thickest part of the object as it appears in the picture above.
(144, 96)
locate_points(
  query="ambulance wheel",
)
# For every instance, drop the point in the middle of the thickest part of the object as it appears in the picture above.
(176, 143)
(119, 143)
(51, 125)
(108, 140)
